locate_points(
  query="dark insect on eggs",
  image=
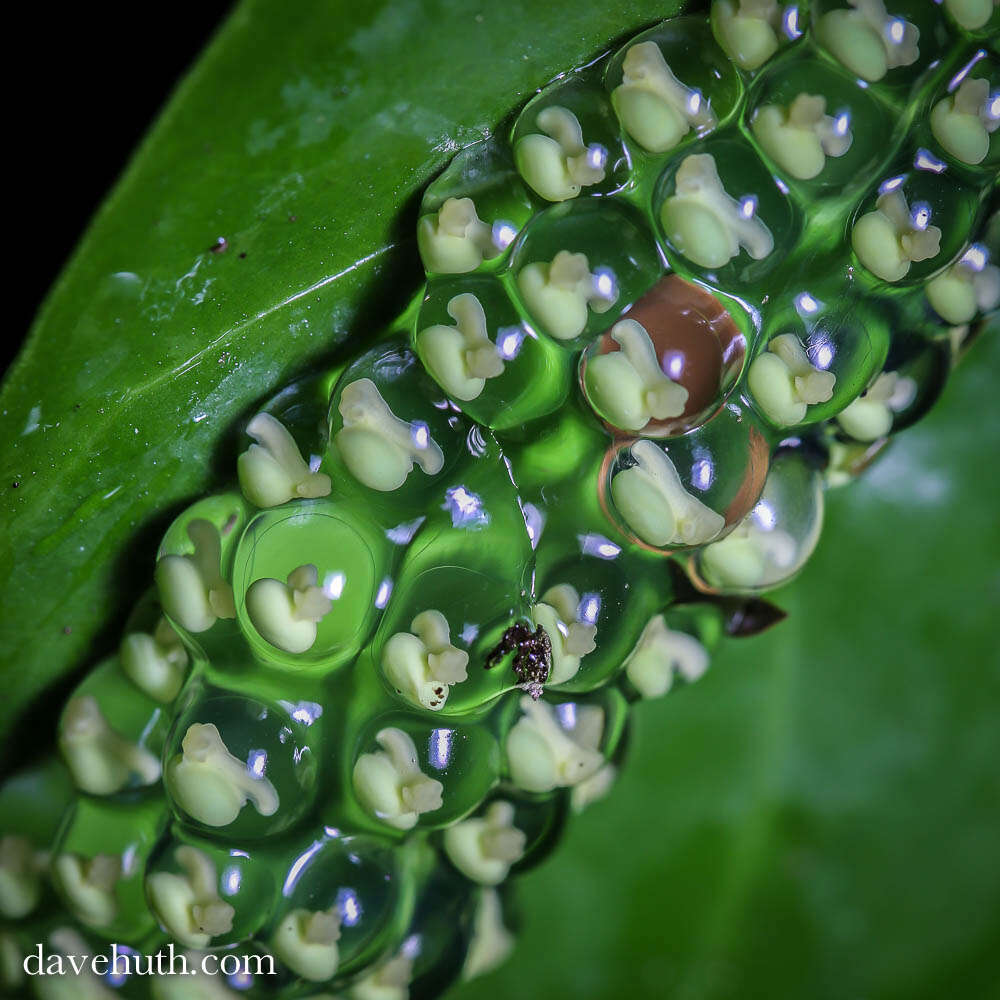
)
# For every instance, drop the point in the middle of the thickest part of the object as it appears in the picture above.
(533, 656)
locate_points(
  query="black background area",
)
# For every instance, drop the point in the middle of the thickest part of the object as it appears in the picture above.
(83, 86)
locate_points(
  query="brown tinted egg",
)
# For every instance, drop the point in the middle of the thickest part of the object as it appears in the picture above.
(697, 343)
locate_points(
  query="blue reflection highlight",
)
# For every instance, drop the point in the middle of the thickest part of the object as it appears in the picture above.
(993, 106)
(598, 545)
(466, 508)
(895, 30)
(806, 304)
(748, 206)
(925, 160)
(304, 712)
(566, 713)
(232, 877)
(606, 284)
(821, 354)
(439, 748)
(765, 516)
(384, 593)
(403, 533)
(349, 906)
(589, 609)
(241, 980)
(510, 340)
(298, 866)
(420, 434)
(534, 522)
(703, 474)
(597, 156)
(257, 762)
(959, 77)
(672, 364)
(503, 234)
(333, 585)
(976, 257)
(892, 184)
(790, 23)
(920, 215)
(128, 859)
(475, 442)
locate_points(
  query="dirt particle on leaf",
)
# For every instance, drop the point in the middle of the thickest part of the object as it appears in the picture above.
(221, 245)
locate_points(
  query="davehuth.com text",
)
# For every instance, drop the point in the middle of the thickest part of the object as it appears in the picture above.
(124, 962)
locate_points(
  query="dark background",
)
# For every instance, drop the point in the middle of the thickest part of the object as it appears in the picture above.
(91, 84)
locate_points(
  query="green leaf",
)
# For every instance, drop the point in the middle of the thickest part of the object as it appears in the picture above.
(818, 816)
(302, 137)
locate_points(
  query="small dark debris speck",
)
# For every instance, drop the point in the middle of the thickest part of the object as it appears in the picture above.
(67, 630)
(14, 485)
(221, 245)
(243, 256)
(532, 659)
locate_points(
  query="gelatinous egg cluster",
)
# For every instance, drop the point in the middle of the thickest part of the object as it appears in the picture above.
(701, 281)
